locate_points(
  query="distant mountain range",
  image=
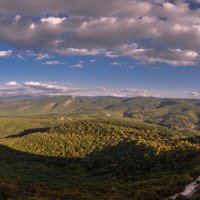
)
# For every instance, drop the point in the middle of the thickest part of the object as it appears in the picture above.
(172, 113)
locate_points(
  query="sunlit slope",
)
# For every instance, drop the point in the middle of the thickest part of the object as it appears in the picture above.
(13, 126)
(172, 113)
(53, 105)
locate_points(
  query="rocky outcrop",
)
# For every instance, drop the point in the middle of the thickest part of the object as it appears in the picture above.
(191, 192)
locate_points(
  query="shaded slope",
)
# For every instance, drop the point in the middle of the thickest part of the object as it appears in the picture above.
(114, 173)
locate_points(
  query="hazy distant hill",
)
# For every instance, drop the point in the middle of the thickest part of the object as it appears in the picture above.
(58, 104)
(173, 113)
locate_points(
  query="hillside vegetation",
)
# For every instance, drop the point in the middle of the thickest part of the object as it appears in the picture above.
(179, 114)
(96, 159)
(22, 126)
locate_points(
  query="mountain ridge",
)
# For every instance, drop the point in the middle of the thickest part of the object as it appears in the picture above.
(168, 112)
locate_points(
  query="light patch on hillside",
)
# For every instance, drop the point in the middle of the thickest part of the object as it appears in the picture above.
(50, 106)
(67, 102)
(24, 108)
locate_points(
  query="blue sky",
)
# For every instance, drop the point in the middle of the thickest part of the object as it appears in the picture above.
(129, 48)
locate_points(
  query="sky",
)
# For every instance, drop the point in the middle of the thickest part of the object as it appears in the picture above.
(100, 48)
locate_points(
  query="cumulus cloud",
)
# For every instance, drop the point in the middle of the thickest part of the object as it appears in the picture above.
(45, 86)
(5, 53)
(12, 83)
(150, 31)
(36, 88)
(14, 88)
(194, 94)
(53, 20)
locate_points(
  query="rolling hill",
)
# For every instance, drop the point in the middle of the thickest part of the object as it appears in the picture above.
(173, 113)
(97, 159)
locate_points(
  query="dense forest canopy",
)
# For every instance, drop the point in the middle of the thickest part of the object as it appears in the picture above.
(110, 158)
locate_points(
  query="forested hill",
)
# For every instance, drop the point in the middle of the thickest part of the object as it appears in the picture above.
(172, 113)
(94, 160)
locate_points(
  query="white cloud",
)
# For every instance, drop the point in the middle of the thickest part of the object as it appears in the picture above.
(78, 65)
(12, 83)
(45, 86)
(52, 88)
(159, 27)
(61, 89)
(5, 53)
(111, 54)
(195, 95)
(18, 18)
(32, 26)
(53, 62)
(53, 20)
(75, 51)
(42, 56)
(116, 63)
